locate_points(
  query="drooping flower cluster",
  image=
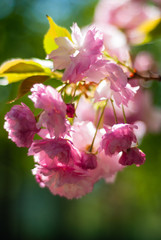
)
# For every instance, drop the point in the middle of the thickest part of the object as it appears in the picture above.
(120, 139)
(73, 153)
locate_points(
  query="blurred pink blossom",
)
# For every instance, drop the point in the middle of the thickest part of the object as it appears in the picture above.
(144, 62)
(127, 15)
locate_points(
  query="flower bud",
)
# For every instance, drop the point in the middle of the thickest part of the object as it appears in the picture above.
(70, 110)
(132, 156)
(88, 161)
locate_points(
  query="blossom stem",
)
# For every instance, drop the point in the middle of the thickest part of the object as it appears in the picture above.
(123, 111)
(102, 113)
(114, 111)
(77, 85)
(63, 87)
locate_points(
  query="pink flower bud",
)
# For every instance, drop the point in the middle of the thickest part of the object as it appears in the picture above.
(70, 110)
(132, 156)
(88, 161)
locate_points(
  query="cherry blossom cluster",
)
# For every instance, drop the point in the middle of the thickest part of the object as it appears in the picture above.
(72, 142)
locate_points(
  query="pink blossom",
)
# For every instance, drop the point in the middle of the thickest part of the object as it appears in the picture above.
(93, 44)
(54, 121)
(82, 135)
(103, 91)
(77, 36)
(46, 97)
(107, 166)
(66, 48)
(140, 109)
(115, 42)
(125, 95)
(69, 182)
(89, 53)
(132, 156)
(41, 174)
(60, 168)
(110, 71)
(114, 86)
(53, 116)
(68, 169)
(114, 82)
(116, 76)
(61, 56)
(85, 110)
(21, 125)
(118, 139)
(77, 56)
(51, 152)
(76, 71)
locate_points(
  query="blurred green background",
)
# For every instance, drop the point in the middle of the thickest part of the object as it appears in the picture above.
(128, 209)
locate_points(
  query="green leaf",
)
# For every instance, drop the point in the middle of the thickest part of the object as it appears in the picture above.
(19, 69)
(54, 31)
(151, 29)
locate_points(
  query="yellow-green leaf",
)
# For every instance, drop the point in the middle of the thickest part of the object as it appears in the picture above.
(54, 32)
(19, 69)
(151, 29)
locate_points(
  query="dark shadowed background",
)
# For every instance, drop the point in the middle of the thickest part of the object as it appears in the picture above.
(128, 209)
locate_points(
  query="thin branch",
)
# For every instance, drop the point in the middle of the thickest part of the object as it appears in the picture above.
(114, 111)
(151, 77)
